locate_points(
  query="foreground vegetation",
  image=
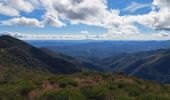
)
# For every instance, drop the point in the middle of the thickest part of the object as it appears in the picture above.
(18, 83)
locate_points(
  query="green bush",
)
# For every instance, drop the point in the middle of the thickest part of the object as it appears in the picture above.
(95, 92)
(70, 95)
(120, 85)
(153, 97)
(52, 80)
(63, 95)
(64, 82)
(15, 90)
(106, 76)
(8, 92)
(49, 95)
(25, 87)
(133, 90)
(111, 86)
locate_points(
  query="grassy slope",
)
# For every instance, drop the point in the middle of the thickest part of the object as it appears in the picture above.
(20, 83)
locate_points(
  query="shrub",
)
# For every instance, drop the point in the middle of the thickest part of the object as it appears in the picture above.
(107, 76)
(70, 95)
(67, 81)
(120, 85)
(25, 87)
(153, 97)
(49, 95)
(133, 90)
(53, 79)
(62, 95)
(9, 92)
(111, 86)
(95, 92)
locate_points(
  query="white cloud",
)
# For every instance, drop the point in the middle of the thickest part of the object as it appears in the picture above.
(125, 30)
(20, 5)
(23, 22)
(9, 11)
(14, 7)
(148, 20)
(134, 6)
(51, 18)
(162, 35)
(157, 19)
(84, 32)
(89, 12)
(13, 34)
(75, 11)
(163, 17)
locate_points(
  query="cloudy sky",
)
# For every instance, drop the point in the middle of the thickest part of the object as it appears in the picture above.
(86, 19)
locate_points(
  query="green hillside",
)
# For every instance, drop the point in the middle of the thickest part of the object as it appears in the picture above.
(19, 83)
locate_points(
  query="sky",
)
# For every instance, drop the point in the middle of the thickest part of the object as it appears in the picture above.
(86, 19)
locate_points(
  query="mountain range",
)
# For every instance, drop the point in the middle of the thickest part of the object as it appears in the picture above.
(93, 51)
(144, 59)
(150, 65)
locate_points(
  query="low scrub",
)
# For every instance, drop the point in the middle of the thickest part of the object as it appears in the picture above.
(64, 82)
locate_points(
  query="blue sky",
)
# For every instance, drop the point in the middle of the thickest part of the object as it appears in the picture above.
(48, 19)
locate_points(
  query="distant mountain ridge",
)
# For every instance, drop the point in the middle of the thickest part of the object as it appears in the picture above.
(97, 50)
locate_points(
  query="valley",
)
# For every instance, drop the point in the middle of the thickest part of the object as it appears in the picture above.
(144, 59)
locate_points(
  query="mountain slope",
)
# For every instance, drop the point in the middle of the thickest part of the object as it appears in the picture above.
(152, 65)
(17, 52)
(82, 64)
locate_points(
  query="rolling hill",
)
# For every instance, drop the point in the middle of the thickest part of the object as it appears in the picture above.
(151, 65)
